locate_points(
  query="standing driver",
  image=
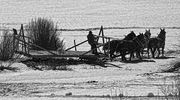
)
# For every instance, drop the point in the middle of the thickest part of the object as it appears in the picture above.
(92, 41)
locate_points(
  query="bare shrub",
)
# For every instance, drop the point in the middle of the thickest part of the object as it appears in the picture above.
(150, 95)
(121, 95)
(171, 90)
(177, 86)
(6, 46)
(44, 33)
(68, 94)
(7, 67)
(174, 66)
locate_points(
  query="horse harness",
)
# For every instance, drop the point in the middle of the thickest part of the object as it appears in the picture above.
(140, 44)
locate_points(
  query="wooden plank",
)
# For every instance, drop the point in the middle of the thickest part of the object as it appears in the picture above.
(107, 63)
(35, 52)
(106, 37)
(52, 56)
(57, 56)
(41, 54)
(22, 53)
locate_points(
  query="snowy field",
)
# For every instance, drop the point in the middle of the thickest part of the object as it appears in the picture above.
(133, 79)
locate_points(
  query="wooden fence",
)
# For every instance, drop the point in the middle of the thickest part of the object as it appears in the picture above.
(22, 44)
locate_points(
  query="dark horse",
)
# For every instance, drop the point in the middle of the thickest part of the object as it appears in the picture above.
(157, 42)
(147, 35)
(131, 47)
(112, 45)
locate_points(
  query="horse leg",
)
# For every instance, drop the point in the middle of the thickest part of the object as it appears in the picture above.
(142, 52)
(155, 51)
(139, 55)
(131, 54)
(122, 57)
(158, 49)
(111, 52)
(125, 58)
(123, 54)
(148, 52)
(152, 52)
(163, 51)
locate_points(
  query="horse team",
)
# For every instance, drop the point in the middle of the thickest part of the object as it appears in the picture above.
(133, 44)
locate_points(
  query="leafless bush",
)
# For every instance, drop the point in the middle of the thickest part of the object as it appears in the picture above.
(174, 66)
(44, 33)
(177, 85)
(6, 46)
(172, 89)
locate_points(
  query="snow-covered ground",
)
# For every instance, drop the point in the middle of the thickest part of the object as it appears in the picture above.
(133, 79)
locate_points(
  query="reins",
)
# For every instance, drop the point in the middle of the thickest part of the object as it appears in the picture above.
(138, 42)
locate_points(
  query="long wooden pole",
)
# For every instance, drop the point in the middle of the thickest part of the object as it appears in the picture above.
(76, 45)
(92, 49)
(36, 46)
(106, 37)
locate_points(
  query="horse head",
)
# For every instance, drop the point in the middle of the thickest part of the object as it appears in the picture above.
(130, 36)
(147, 33)
(162, 34)
(142, 39)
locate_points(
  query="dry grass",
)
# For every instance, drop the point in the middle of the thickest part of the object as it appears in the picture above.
(44, 33)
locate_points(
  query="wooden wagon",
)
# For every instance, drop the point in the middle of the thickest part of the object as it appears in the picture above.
(23, 43)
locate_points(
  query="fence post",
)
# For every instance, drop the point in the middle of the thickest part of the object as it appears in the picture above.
(109, 47)
(99, 33)
(75, 45)
(28, 46)
(14, 43)
(102, 34)
(24, 45)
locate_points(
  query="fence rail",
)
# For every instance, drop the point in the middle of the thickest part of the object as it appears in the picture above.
(106, 28)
